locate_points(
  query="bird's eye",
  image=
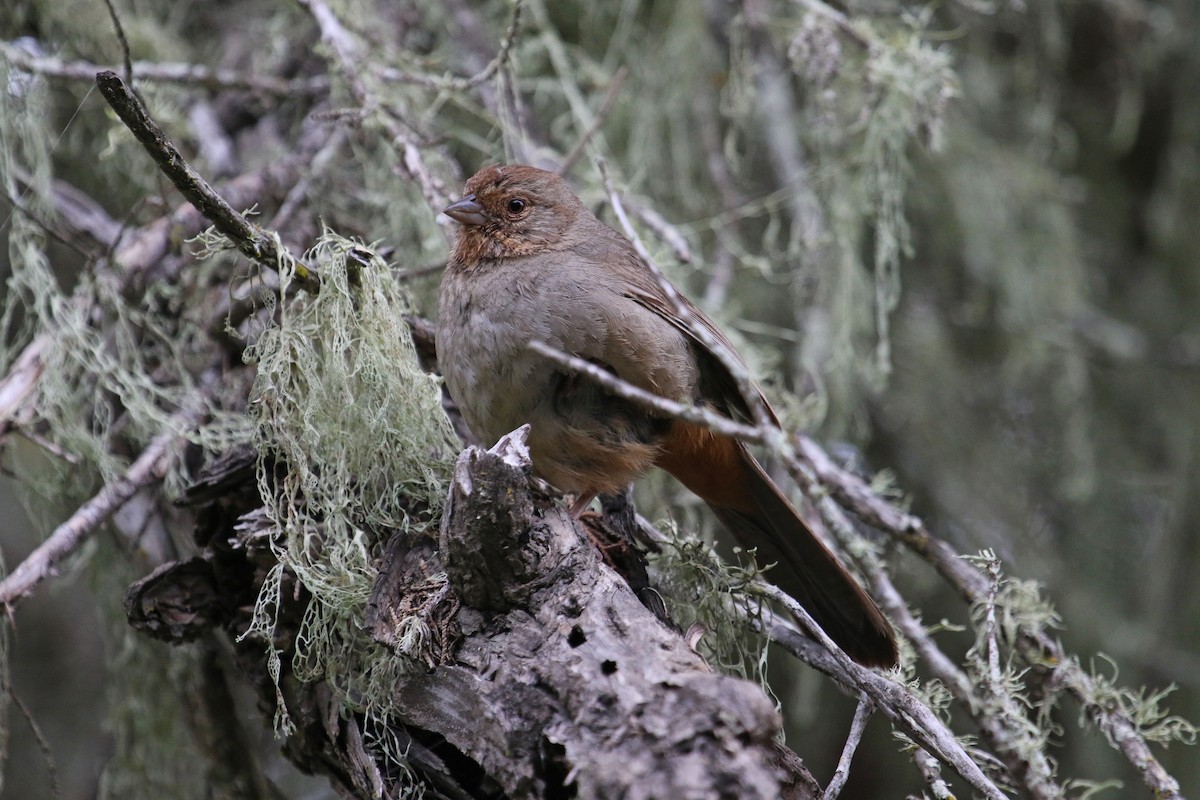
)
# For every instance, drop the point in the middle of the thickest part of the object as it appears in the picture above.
(516, 206)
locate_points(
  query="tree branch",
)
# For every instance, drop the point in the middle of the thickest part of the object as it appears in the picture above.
(249, 239)
(1035, 645)
(462, 84)
(857, 726)
(907, 712)
(158, 72)
(153, 463)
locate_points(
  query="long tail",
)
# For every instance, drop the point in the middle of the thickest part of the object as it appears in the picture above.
(723, 473)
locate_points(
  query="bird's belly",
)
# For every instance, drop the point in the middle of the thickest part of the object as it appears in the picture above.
(490, 374)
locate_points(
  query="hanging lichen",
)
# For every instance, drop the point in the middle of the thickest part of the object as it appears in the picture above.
(354, 447)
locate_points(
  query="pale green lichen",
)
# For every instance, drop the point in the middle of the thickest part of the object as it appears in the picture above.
(698, 587)
(354, 446)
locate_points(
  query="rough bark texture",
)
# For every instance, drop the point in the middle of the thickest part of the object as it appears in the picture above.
(547, 676)
(564, 684)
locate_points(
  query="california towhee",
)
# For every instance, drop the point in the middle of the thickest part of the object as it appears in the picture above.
(531, 263)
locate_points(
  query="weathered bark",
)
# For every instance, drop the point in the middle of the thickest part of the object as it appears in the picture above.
(564, 683)
(547, 676)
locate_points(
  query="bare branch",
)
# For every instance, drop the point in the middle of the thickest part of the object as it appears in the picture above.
(854, 493)
(154, 462)
(650, 401)
(163, 72)
(249, 239)
(462, 84)
(906, 711)
(857, 726)
(610, 96)
(124, 42)
(666, 231)
(43, 744)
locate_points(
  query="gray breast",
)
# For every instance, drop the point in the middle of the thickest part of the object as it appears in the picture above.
(484, 327)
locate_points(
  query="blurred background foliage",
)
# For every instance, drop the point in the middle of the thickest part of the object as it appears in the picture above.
(953, 237)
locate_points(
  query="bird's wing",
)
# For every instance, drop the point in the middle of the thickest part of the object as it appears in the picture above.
(718, 386)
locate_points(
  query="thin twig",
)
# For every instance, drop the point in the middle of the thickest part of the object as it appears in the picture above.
(126, 56)
(249, 239)
(931, 771)
(991, 628)
(854, 493)
(154, 462)
(857, 726)
(49, 446)
(412, 273)
(666, 231)
(652, 402)
(906, 711)
(707, 116)
(348, 54)
(180, 73)
(610, 96)
(462, 84)
(1118, 728)
(42, 742)
(809, 224)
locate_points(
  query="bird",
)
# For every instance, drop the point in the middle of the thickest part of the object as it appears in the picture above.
(531, 262)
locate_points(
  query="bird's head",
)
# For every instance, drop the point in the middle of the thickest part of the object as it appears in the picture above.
(511, 211)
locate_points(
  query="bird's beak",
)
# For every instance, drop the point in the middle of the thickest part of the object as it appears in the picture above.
(467, 211)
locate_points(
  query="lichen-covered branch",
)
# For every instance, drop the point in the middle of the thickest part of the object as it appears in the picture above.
(1036, 645)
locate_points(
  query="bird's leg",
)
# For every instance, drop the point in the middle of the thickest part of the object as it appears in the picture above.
(581, 504)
